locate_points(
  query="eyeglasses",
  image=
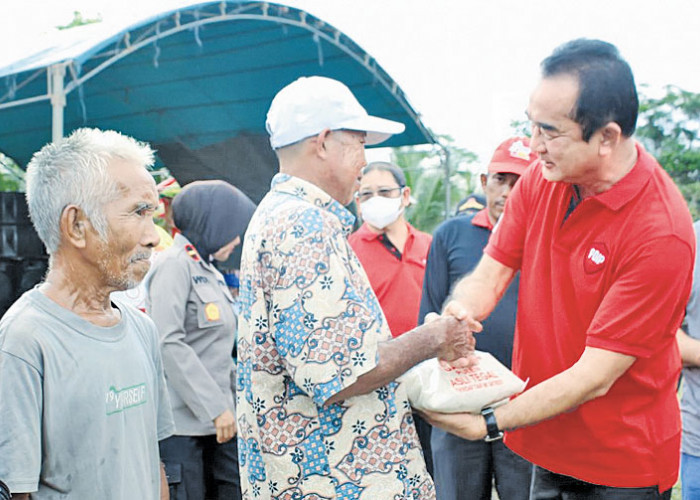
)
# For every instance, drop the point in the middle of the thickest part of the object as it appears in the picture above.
(363, 196)
(546, 133)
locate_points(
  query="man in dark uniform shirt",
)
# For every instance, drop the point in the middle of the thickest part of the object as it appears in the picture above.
(465, 469)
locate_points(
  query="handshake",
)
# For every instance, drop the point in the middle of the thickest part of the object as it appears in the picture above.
(461, 379)
(453, 334)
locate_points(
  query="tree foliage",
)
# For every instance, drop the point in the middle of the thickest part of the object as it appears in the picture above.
(521, 128)
(11, 175)
(426, 171)
(78, 20)
(669, 128)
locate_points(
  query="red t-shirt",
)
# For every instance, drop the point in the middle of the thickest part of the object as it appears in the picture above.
(615, 275)
(398, 283)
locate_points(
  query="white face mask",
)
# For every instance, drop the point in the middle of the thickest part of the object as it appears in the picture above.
(379, 212)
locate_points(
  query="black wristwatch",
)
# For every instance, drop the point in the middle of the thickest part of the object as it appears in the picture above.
(493, 433)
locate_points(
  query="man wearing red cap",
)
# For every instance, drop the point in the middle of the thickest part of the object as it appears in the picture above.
(466, 469)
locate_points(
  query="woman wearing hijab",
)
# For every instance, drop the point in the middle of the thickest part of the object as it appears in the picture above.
(192, 307)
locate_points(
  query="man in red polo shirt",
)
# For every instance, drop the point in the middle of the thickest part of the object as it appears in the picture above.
(604, 244)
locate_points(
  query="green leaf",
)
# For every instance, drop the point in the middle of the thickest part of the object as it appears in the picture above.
(426, 170)
(669, 128)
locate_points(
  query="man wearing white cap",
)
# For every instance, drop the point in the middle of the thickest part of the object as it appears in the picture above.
(319, 412)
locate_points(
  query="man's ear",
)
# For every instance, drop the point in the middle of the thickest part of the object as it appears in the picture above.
(320, 142)
(610, 137)
(484, 179)
(74, 226)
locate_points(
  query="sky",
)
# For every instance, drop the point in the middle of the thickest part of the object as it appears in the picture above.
(466, 66)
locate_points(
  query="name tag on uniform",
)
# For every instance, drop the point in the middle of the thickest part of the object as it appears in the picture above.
(211, 311)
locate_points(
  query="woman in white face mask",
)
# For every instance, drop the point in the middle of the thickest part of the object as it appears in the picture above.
(382, 203)
(392, 251)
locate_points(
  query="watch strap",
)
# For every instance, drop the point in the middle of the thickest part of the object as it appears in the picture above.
(493, 433)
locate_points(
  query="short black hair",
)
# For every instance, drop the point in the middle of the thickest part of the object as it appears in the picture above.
(384, 166)
(607, 92)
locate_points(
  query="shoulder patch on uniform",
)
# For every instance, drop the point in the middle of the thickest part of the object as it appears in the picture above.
(192, 252)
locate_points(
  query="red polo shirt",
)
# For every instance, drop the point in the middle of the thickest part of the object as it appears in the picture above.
(615, 275)
(397, 282)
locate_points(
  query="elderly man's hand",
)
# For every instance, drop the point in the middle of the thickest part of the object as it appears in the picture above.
(465, 425)
(454, 308)
(454, 337)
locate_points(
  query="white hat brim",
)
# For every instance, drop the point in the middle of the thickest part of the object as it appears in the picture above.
(377, 129)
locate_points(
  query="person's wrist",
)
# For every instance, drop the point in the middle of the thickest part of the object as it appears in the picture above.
(493, 432)
(432, 336)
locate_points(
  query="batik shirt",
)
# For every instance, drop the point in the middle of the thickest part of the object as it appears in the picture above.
(310, 326)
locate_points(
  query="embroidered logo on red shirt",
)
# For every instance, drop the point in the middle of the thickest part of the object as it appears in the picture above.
(595, 257)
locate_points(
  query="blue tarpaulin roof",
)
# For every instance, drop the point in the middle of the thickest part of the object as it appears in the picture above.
(196, 82)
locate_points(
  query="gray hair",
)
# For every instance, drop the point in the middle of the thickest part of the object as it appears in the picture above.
(74, 172)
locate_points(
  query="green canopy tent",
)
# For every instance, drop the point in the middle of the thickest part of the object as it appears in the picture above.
(195, 82)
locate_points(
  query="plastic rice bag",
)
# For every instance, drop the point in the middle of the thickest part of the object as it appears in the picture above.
(486, 383)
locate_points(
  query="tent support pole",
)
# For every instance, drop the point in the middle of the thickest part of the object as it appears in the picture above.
(56, 74)
(448, 174)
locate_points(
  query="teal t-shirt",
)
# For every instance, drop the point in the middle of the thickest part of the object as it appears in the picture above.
(82, 407)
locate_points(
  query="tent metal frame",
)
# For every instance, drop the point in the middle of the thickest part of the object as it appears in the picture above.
(149, 33)
(139, 36)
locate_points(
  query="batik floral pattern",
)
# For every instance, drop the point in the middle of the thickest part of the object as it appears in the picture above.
(309, 327)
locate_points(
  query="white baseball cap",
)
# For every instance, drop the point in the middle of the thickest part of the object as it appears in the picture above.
(311, 104)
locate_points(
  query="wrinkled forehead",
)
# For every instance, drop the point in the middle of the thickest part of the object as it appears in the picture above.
(132, 179)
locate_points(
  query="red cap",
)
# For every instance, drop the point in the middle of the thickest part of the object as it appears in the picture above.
(512, 156)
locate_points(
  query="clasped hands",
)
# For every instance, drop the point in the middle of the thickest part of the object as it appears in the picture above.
(458, 342)
(456, 352)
